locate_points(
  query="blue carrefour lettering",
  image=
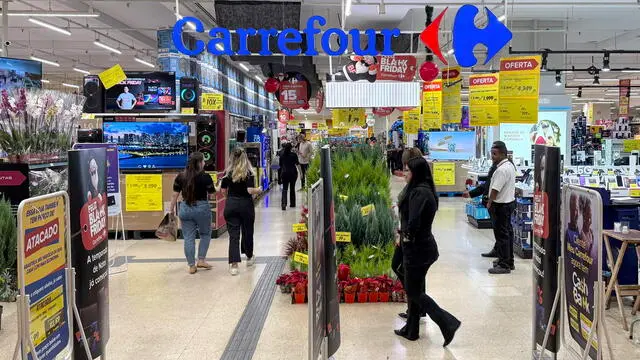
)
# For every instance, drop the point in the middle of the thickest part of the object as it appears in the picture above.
(466, 35)
(176, 35)
(289, 41)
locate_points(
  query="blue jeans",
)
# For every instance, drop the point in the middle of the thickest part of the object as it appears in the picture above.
(195, 218)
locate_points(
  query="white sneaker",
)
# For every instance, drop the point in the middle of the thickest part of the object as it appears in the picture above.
(251, 261)
(233, 269)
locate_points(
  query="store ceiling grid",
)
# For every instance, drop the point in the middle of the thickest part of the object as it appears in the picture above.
(130, 26)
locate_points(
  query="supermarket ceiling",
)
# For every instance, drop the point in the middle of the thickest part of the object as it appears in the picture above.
(130, 27)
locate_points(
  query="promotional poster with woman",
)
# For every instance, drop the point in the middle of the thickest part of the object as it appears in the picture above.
(90, 255)
(582, 251)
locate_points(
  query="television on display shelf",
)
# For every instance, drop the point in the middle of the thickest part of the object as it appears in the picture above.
(149, 145)
(20, 73)
(143, 92)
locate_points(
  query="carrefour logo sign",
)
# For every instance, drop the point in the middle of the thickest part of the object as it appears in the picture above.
(466, 35)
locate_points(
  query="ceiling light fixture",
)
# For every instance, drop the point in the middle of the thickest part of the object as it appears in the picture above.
(244, 67)
(44, 81)
(107, 47)
(347, 8)
(580, 92)
(50, 26)
(502, 17)
(605, 62)
(191, 25)
(543, 66)
(71, 85)
(145, 63)
(219, 47)
(382, 9)
(450, 52)
(630, 71)
(81, 71)
(53, 14)
(45, 61)
(558, 79)
(259, 78)
(596, 79)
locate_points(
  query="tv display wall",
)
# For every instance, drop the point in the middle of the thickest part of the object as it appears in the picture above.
(143, 91)
(149, 145)
(20, 73)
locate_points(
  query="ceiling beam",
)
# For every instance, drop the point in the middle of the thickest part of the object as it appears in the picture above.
(619, 40)
(80, 5)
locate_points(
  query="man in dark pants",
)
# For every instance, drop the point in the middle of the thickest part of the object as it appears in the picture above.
(483, 190)
(501, 204)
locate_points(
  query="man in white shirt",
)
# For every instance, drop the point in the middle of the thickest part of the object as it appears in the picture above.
(305, 151)
(502, 205)
(126, 100)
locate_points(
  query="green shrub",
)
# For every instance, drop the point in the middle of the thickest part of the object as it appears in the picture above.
(8, 237)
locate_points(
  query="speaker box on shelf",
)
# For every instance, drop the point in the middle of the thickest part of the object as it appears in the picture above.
(90, 136)
(94, 92)
(206, 142)
(189, 94)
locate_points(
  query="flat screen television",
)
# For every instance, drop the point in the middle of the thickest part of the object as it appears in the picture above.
(452, 145)
(143, 92)
(149, 145)
(18, 73)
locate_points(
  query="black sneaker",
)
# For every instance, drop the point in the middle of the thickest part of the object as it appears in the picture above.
(495, 263)
(498, 270)
(490, 254)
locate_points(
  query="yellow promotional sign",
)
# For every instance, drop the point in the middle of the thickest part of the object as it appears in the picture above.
(112, 76)
(144, 192)
(187, 111)
(444, 173)
(338, 131)
(342, 236)
(366, 210)
(301, 258)
(212, 102)
(519, 89)
(348, 118)
(634, 192)
(432, 105)
(302, 227)
(43, 259)
(630, 145)
(411, 120)
(483, 100)
(322, 126)
(451, 100)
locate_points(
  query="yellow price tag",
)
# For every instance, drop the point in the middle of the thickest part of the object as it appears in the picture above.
(323, 127)
(302, 227)
(343, 236)
(212, 102)
(86, 116)
(634, 192)
(343, 197)
(366, 210)
(188, 110)
(301, 258)
(112, 76)
(214, 177)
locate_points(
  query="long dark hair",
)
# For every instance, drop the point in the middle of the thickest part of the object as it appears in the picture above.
(421, 174)
(189, 174)
(287, 148)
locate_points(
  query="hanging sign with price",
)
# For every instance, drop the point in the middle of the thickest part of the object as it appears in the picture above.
(212, 102)
(483, 100)
(301, 258)
(411, 121)
(349, 117)
(519, 89)
(451, 100)
(432, 105)
(293, 95)
(143, 192)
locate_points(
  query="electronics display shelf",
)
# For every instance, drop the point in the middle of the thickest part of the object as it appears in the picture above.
(522, 222)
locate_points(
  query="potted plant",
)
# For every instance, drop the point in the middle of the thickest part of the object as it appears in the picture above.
(343, 272)
(350, 289)
(362, 291)
(300, 292)
(373, 288)
(386, 283)
(398, 293)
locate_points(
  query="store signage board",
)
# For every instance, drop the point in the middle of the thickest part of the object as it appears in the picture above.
(411, 121)
(483, 99)
(212, 102)
(466, 36)
(432, 105)
(451, 100)
(625, 90)
(349, 117)
(396, 68)
(519, 89)
(112, 76)
(143, 192)
(444, 173)
(113, 175)
(43, 258)
(293, 95)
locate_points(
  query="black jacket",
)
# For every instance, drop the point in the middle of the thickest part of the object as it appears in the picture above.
(288, 165)
(417, 212)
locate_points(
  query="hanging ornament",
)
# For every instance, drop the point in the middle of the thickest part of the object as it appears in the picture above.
(271, 85)
(305, 106)
(429, 71)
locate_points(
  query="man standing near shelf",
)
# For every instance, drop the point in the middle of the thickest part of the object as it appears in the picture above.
(305, 151)
(501, 205)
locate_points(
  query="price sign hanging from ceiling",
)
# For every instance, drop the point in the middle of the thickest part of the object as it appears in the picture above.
(293, 95)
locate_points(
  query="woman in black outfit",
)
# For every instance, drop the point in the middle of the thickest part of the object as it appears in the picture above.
(239, 213)
(417, 211)
(289, 172)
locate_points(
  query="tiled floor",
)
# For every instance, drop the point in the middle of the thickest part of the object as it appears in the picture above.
(158, 311)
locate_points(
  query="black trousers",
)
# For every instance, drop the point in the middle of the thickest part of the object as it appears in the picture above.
(240, 216)
(503, 232)
(303, 176)
(419, 301)
(398, 268)
(289, 185)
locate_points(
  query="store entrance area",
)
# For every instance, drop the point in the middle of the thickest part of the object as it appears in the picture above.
(159, 311)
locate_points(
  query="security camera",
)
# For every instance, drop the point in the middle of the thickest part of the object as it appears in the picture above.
(7, 43)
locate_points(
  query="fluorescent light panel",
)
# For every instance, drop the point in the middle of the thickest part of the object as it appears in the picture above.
(71, 85)
(81, 71)
(146, 63)
(347, 8)
(244, 67)
(45, 81)
(45, 61)
(50, 26)
(53, 14)
(107, 47)
(191, 25)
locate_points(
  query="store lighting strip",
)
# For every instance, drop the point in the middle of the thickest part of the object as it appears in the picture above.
(82, 71)
(347, 8)
(52, 14)
(71, 86)
(50, 26)
(107, 47)
(235, 98)
(45, 61)
(44, 81)
(146, 63)
(191, 25)
(237, 82)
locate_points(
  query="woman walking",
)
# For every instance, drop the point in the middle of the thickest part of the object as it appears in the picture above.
(417, 212)
(195, 212)
(289, 172)
(239, 183)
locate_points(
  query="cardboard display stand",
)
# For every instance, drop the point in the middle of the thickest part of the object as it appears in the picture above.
(317, 290)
